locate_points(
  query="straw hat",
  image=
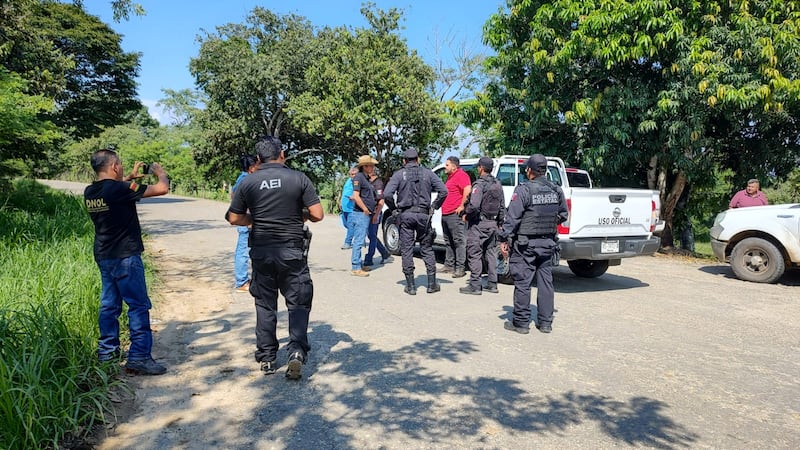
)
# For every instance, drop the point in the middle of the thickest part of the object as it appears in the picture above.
(366, 160)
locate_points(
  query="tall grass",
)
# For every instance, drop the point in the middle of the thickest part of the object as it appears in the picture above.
(51, 385)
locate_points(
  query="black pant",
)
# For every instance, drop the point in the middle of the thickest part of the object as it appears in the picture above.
(454, 230)
(284, 269)
(416, 227)
(482, 246)
(526, 262)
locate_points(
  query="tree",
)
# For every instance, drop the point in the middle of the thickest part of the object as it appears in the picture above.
(368, 94)
(100, 82)
(249, 72)
(665, 92)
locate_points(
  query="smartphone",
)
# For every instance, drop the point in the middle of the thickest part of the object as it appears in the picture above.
(145, 169)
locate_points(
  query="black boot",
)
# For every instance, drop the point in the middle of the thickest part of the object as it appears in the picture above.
(433, 286)
(410, 289)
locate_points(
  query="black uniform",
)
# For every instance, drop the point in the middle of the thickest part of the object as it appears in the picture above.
(276, 196)
(485, 210)
(414, 185)
(535, 210)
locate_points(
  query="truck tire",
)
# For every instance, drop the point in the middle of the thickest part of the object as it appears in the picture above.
(391, 235)
(588, 268)
(757, 260)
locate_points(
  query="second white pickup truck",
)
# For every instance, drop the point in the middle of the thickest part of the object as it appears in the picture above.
(604, 226)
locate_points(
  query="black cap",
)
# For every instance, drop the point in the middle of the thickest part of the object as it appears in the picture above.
(537, 162)
(486, 162)
(410, 153)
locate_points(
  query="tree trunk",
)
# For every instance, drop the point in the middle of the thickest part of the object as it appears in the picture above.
(668, 209)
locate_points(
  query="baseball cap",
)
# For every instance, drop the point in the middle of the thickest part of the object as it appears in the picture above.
(410, 153)
(537, 162)
(486, 162)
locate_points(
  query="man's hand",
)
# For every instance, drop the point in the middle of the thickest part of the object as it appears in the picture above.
(504, 249)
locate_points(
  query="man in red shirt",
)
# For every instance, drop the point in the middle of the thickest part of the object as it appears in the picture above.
(458, 189)
(751, 196)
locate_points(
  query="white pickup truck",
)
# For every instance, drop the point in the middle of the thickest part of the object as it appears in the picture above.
(604, 226)
(760, 242)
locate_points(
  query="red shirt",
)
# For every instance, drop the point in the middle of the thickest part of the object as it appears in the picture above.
(743, 199)
(456, 183)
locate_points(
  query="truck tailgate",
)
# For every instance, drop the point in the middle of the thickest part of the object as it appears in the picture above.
(610, 212)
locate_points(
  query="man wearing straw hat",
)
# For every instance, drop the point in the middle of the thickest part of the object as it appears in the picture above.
(364, 198)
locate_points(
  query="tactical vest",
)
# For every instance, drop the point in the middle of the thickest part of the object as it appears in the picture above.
(541, 215)
(492, 199)
(415, 190)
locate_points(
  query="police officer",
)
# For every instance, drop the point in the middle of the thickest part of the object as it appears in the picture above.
(413, 185)
(486, 208)
(535, 210)
(279, 200)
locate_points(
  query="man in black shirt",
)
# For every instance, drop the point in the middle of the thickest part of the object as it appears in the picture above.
(359, 219)
(111, 202)
(414, 185)
(279, 200)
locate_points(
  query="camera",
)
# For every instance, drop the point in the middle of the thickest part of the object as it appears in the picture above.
(145, 169)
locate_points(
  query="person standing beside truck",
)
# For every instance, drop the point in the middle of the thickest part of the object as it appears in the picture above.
(414, 185)
(484, 210)
(531, 222)
(749, 196)
(453, 226)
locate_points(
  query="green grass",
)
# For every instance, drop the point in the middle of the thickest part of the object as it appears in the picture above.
(51, 385)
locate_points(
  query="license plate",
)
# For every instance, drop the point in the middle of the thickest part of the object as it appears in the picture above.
(609, 247)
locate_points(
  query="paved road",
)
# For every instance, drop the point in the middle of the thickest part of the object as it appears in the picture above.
(657, 353)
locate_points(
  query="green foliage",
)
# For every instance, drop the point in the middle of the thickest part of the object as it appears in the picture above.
(367, 94)
(786, 192)
(51, 385)
(666, 90)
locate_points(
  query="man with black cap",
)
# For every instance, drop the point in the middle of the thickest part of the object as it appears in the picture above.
(486, 208)
(276, 201)
(414, 185)
(535, 210)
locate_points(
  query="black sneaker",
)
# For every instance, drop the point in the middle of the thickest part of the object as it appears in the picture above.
(294, 368)
(116, 356)
(491, 288)
(268, 367)
(145, 367)
(468, 289)
(544, 327)
(511, 327)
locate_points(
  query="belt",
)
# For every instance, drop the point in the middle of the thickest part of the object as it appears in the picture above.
(539, 236)
(291, 244)
(416, 209)
(485, 217)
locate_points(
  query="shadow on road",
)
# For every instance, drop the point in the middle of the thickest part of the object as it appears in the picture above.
(790, 278)
(393, 397)
(167, 227)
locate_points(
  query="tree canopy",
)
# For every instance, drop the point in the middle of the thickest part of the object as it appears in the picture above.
(329, 94)
(661, 93)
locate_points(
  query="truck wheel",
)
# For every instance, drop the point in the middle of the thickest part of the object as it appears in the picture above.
(391, 236)
(587, 268)
(757, 260)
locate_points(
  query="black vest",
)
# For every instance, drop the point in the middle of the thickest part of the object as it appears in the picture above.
(541, 214)
(492, 199)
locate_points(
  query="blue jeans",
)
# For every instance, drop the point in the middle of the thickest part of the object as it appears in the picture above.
(241, 259)
(123, 279)
(374, 242)
(348, 238)
(358, 222)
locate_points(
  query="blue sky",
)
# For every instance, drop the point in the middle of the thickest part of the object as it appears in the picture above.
(166, 34)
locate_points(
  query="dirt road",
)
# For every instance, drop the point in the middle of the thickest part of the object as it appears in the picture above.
(659, 352)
